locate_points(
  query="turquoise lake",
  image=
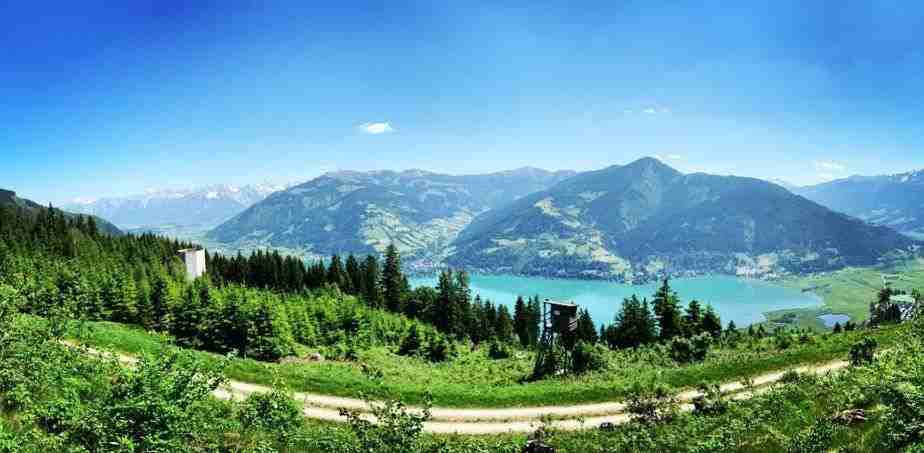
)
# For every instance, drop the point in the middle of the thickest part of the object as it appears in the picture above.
(740, 300)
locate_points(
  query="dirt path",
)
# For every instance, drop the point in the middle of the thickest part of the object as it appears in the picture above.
(494, 421)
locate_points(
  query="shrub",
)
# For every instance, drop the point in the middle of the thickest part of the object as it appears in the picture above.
(587, 357)
(396, 429)
(710, 401)
(438, 349)
(904, 417)
(273, 411)
(863, 352)
(818, 438)
(552, 363)
(783, 341)
(689, 350)
(791, 377)
(654, 404)
(498, 351)
(411, 343)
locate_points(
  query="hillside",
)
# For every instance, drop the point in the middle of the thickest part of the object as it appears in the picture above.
(637, 221)
(362, 212)
(205, 206)
(9, 199)
(893, 200)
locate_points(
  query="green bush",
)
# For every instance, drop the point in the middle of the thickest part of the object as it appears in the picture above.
(863, 352)
(689, 350)
(587, 357)
(498, 351)
(652, 404)
(396, 430)
(710, 401)
(271, 411)
(411, 343)
(438, 349)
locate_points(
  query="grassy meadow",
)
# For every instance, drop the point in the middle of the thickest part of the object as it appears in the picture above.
(471, 379)
(847, 291)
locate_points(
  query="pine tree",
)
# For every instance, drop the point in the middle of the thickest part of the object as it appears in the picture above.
(336, 274)
(445, 315)
(354, 275)
(667, 312)
(731, 330)
(504, 326)
(371, 292)
(122, 299)
(693, 319)
(189, 316)
(410, 345)
(521, 320)
(161, 302)
(586, 330)
(712, 323)
(535, 319)
(392, 279)
(269, 335)
(635, 324)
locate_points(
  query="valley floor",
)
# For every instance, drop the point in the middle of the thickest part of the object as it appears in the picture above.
(846, 292)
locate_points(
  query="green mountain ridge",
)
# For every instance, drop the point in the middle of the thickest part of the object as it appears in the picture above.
(889, 200)
(645, 219)
(362, 212)
(9, 199)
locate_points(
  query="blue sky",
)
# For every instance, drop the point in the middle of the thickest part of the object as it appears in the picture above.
(99, 100)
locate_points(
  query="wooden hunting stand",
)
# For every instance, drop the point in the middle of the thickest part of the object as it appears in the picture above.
(558, 320)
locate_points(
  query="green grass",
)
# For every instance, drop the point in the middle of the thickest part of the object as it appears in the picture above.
(848, 292)
(473, 380)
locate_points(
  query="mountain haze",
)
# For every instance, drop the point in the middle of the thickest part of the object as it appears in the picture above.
(896, 201)
(205, 206)
(360, 212)
(640, 220)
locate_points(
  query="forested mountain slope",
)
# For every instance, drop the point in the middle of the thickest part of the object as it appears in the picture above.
(363, 212)
(896, 201)
(636, 221)
(8, 199)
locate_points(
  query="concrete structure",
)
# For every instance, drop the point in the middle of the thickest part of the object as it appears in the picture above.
(195, 262)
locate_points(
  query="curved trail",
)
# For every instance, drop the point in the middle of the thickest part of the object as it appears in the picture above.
(501, 420)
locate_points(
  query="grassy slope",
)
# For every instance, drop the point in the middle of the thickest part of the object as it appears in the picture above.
(472, 380)
(849, 291)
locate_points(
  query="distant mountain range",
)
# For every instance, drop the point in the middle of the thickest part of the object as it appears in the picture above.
(205, 206)
(631, 222)
(361, 212)
(640, 220)
(8, 198)
(896, 201)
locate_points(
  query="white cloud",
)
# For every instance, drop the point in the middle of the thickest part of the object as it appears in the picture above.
(667, 157)
(656, 110)
(376, 128)
(830, 167)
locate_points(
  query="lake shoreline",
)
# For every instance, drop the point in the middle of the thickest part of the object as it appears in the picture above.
(744, 301)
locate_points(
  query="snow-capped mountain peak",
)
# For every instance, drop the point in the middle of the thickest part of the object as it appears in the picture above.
(209, 205)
